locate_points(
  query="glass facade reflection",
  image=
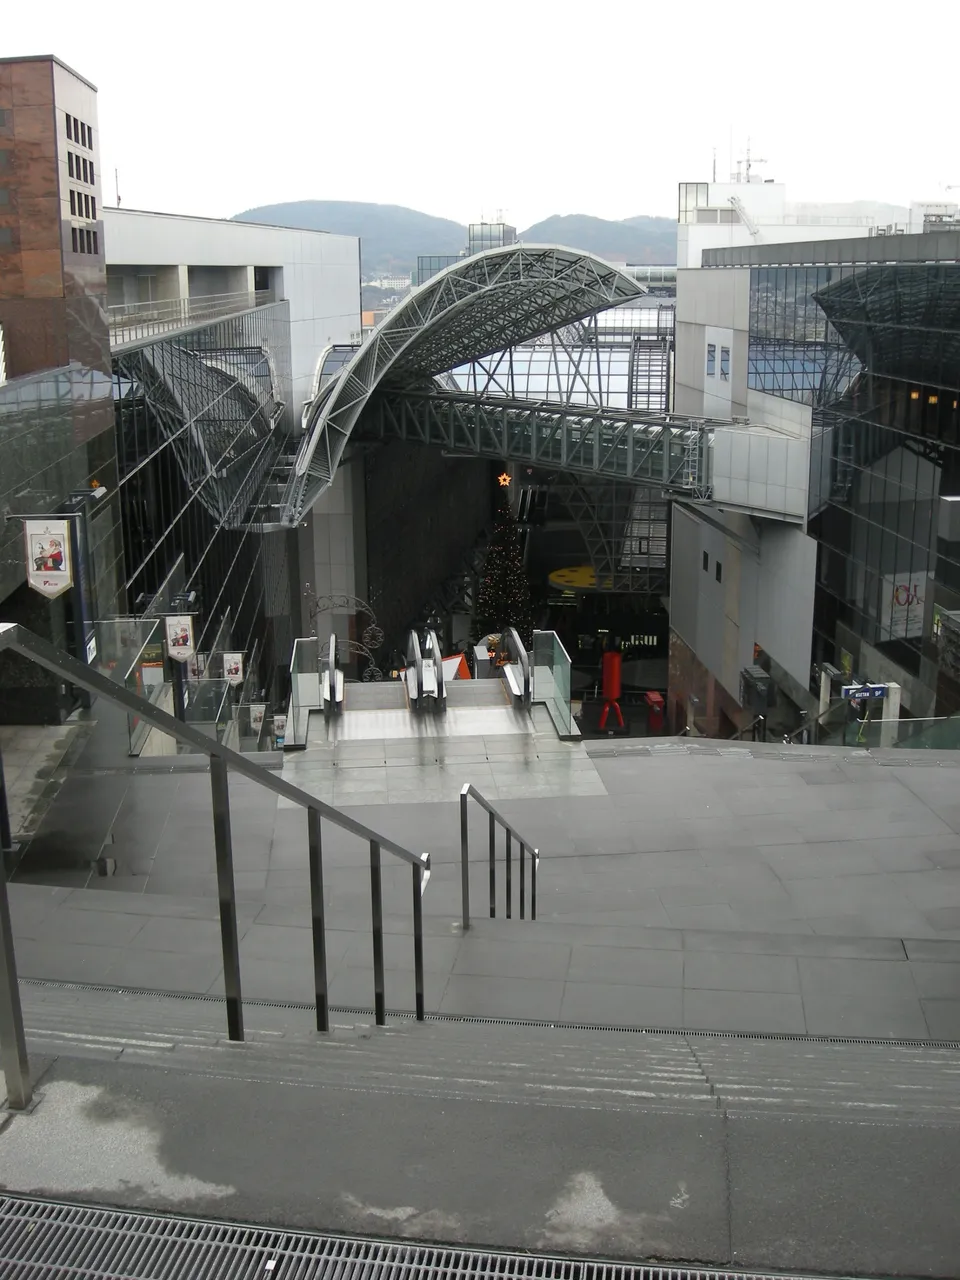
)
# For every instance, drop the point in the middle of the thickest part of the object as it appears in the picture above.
(874, 349)
(201, 419)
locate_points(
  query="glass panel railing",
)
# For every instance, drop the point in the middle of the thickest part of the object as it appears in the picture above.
(130, 651)
(209, 706)
(551, 680)
(934, 733)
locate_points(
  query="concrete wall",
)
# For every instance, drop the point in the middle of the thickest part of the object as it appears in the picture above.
(712, 307)
(320, 272)
(764, 595)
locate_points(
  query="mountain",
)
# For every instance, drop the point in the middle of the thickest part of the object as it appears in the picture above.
(640, 239)
(392, 237)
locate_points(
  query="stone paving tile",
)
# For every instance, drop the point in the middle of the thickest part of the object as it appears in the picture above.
(838, 1014)
(612, 1004)
(743, 1011)
(943, 1018)
(737, 971)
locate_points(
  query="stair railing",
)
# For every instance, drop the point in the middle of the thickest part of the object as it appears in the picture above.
(13, 1054)
(467, 792)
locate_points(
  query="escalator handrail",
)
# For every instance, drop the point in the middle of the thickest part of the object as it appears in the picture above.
(415, 656)
(433, 649)
(517, 649)
(333, 663)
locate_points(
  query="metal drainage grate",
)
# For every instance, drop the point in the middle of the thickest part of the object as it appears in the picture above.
(39, 1238)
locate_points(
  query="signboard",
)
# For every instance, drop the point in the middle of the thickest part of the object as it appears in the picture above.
(860, 692)
(178, 633)
(279, 729)
(233, 668)
(49, 562)
(902, 604)
(846, 663)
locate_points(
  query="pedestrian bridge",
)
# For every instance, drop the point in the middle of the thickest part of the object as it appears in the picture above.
(474, 308)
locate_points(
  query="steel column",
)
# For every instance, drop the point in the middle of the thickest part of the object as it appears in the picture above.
(465, 859)
(317, 920)
(534, 863)
(376, 908)
(418, 940)
(226, 890)
(6, 835)
(13, 1044)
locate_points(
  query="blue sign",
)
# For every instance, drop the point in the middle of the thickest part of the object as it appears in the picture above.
(860, 692)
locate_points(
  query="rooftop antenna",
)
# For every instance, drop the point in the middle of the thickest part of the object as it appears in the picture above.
(116, 184)
(749, 162)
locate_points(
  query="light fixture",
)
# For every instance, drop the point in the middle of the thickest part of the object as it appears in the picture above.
(914, 395)
(503, 480)
(932, 399)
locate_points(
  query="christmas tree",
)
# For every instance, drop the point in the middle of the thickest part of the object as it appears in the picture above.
(503, 598)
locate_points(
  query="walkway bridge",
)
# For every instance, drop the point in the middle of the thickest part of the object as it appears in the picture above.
(665, 450)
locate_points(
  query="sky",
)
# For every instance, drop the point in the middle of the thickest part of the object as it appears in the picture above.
(528, 107)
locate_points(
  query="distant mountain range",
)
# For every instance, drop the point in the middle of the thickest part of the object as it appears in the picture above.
(392, 237)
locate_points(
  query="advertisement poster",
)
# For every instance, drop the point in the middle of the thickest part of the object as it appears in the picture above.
(903, 599)
(233, 668)
(198, 665)
(257, 712)
(49, 566)
(179, 636)
(279, 729)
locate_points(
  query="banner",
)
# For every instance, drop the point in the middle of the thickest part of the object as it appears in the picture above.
(233, 668)
(178, 632)
(49, 564)
(902, 602)
(257, 712)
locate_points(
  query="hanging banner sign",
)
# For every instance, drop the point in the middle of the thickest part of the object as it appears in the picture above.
(49, 565)
(179, 636)
(280, 729)
(233, 668)
(258, 711)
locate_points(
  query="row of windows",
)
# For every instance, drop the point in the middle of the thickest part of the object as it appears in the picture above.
(83, 205)
(712, 362)
(85, 240)
(80, 168)
(79, 132)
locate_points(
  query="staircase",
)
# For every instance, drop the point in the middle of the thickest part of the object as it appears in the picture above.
(495, 1061)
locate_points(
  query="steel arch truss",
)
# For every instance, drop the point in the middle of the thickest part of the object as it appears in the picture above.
(665, 450)
(472, 309)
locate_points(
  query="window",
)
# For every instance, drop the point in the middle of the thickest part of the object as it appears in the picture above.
(93, 206)
(86, 205)
(724, 364)
(70, 163)
(92, 179)
(706, 562)
(96, 243)
(73, 202)
(73, 233)
(76, 129)
(86, 171)
(719, 571)
(70, 127)
(89, 241)
(90, 137)
(711, 359)
(83, 133)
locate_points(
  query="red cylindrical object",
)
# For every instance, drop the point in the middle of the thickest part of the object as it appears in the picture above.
(612, 663)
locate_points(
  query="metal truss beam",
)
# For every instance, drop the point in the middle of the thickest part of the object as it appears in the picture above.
(474, 308)
(669, 452)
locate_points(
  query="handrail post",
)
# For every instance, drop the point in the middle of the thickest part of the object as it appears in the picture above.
(493, 867)
(522, 880)
(465, 856)
(376, 905)
(226, 890)
(13, 1044)
(509, 876)
(534, 863)
(418, 887)
(317, 920)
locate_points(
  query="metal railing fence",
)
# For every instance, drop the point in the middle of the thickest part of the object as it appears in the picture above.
(467, 792)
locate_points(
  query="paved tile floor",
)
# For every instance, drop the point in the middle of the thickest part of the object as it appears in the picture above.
(767, 891)
(31, 757)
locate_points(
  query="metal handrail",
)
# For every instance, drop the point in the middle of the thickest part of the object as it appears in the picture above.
(433, 648)
(18, 639)
(414, 655)
(467, 791)
(514, 644)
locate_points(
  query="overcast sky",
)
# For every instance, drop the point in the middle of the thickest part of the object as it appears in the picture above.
(535, 108)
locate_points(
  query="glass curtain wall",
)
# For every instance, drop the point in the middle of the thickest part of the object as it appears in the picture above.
(875, 350)
(202, 418)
